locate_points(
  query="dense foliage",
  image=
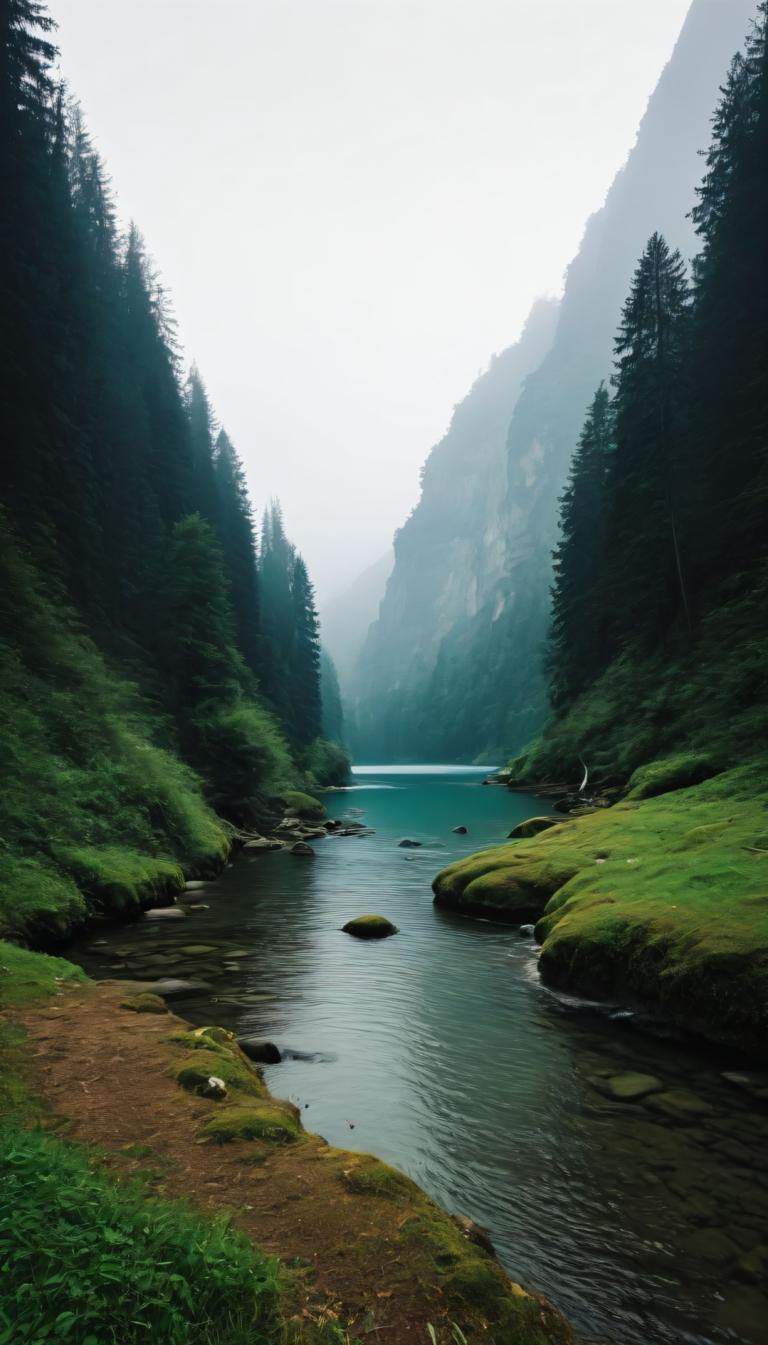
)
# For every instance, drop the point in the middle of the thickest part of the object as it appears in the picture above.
(120, 488)
(660, 571)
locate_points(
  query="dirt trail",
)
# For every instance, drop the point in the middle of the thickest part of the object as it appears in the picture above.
(373, 1262)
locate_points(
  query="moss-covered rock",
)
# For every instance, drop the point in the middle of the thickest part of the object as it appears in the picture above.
(277, 1122)
(206, 1057)
(298, 804)
(532, 826)
(501, 884)
(369, 1176)
(145, 1003)
(370, 927)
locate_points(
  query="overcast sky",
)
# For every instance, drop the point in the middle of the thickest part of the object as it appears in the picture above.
(354, 203)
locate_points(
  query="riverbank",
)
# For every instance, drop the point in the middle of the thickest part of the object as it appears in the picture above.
(659, 898)
(359, 1246)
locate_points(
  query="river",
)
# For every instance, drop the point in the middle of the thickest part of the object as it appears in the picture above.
(441, 1051)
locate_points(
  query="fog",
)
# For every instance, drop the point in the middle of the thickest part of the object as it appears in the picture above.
(353, 204)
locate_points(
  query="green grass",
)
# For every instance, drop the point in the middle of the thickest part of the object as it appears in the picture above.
(665, 898)
(95, 810)
(273, 1121)
(95, 1261)
(302, 805)
(28, 977)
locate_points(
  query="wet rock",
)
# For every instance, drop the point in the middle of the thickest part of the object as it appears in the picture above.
(459, 831)
(260, 844)
(165, 913)
(532, 826)
(630, 1087)
(475, 1233)
(407, 844)
(301, 848)
(679, 1105)
(197, 949)
(749, 1081)
(171, 985)
(195, 884)
(370, 927)
(264, 1052)
(712, 1245)
(527, 931)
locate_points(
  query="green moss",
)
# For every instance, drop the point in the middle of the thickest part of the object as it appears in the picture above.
(532, 826)
(237, 1073)
(504, 883)
(302, 805)
(26, 977)
(370, 927)
(678, 772)
(675, 912)
(145, 1003)
(370, 1177)
(276, 1122)
(121, 880)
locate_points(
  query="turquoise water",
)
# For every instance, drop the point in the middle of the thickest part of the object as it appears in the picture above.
(440, 1051)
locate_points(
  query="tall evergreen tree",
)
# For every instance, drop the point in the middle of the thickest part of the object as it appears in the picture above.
(306, 710)
(645, 573)
(202, 427)
(236, 530)
(580, 557)
(731, 326)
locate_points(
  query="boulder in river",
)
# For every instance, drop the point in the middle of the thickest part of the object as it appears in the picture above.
(370, 927)
(630, 1087)
(165, 913)
(264, 1052)
(407, 844)
(301, 848)
(263, 843)
(459, 831)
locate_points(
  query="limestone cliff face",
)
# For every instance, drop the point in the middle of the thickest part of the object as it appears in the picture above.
(454, 666)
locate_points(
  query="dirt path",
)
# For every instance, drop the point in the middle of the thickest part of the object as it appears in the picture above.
(379, 1260)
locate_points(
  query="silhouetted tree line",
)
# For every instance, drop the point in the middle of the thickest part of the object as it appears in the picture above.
(665, 511)
(114, 473)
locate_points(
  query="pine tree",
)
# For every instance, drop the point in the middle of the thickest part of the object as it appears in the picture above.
(236, 531)
(646, 582)
(202, 427)
(580, 558)
(276, 559)
(330, 699)
(306, 711)
(731, 321)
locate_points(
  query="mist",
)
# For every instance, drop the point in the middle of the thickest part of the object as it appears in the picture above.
(353, 205)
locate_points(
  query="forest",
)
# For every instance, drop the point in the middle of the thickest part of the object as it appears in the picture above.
(489, 900)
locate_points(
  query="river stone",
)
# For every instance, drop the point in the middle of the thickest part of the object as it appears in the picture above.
(679, 1105)
(195, 884)
(370, 927)
(712, 1244)
(265, 1052)
(527, 931)
(459, 831)
(407, 844)
(165, 913)
(301, 848)
(172, 985)
(263, 843)
(197, 949)
(631, 1087)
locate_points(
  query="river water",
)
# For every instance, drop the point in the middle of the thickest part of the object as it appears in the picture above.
(441, 1051)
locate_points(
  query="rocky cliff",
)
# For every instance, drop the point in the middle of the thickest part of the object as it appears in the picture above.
(453, 668)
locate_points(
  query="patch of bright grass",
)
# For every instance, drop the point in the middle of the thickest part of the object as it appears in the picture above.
(91, 1260)
(663, 897)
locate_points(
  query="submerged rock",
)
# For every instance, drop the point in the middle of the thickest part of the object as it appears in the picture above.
(370, 927)
(407, 844)
(264, 1052)
(301, 848)
(165, 913)
(527, 931)
(630, 1087)
(459, 831)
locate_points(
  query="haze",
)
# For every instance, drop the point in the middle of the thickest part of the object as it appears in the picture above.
(354, 203)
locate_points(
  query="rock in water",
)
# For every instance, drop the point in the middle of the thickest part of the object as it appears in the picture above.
(370, 927)
(630, 1087)
(409, 845)
(301, 848)
(264, 1052)
(165, 913)
(459, 831)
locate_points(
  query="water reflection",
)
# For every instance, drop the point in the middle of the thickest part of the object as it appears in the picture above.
(642, 1220)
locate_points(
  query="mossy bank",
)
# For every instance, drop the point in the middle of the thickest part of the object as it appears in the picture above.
(661, 899)
(207, 1199)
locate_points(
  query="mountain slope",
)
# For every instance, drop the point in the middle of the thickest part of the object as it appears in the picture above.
(465, 677)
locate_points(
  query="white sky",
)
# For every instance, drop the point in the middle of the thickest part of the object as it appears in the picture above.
(354, 203)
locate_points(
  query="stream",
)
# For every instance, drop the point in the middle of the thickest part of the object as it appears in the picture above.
(440, 1051)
